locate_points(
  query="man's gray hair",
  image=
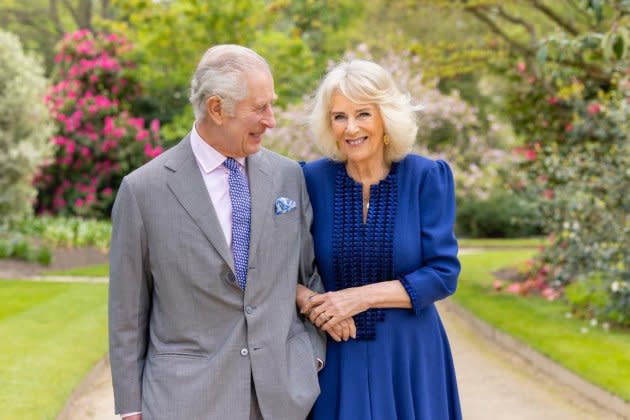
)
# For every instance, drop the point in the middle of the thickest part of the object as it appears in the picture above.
(222, 72)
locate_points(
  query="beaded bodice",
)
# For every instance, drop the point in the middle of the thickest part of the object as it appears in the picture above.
(363, 252)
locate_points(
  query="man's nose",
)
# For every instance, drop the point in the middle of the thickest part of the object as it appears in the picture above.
(269, 120)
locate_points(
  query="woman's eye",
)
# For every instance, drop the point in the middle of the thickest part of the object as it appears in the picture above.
(364, 114)
(339, 117)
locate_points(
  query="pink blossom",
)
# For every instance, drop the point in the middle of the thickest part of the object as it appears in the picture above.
(59, 202)
(548, 194)
(568, 128)
(530, 154)
(155, 126)
(593, 108)
(109, 125)
(514, 288)
(78, 203)
(553, 100)
(142, 134)
(521, 67)
(118, 133)
(152, 152)
(85, 151)
(497, 285)
(70, 146)
(107, 192)
(59, 140)
(550, 293)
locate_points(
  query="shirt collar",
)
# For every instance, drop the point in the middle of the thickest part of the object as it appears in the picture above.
(208, 157)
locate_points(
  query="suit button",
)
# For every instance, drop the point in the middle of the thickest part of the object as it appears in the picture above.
(231, 277)
(244, 352)
(249, 310)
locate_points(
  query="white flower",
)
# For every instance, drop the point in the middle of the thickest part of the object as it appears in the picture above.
(615, 286)
(568, 315)
(583, 330)
(593, 322)
(606, 326)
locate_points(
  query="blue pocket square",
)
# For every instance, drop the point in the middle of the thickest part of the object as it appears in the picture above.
(284, 205)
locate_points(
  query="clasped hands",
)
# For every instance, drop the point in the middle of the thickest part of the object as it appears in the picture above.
(332, 312)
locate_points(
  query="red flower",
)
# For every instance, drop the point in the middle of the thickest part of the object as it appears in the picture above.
(553, 100)
(530, 154)
(594, 108)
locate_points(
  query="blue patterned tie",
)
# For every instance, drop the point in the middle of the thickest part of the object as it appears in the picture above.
(239, 196)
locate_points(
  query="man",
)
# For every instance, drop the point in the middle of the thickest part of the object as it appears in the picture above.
(209, 242)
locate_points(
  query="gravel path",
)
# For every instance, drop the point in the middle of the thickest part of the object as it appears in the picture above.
(492, 384)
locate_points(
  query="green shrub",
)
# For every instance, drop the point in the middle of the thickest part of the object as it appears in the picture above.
(25, 127)
(501, 215)
(588, 296)
(15, 245)
(70, 232)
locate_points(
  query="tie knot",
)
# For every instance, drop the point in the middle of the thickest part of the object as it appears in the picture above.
(231, 164)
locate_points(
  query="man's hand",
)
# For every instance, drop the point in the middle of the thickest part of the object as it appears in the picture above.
(343, 331)
(302, 295)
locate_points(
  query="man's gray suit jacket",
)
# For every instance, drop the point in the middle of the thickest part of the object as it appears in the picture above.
(185, 340)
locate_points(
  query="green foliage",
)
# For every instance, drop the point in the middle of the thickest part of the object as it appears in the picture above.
(69, 232)
(588, 295)
(501, 215)
(296, 37)
(41, 24)
(14, 245)
(25, 127)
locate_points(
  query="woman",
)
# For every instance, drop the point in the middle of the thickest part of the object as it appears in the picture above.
(384, 242)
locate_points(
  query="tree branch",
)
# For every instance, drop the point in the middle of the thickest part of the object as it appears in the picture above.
(73, 12)
(475, 11)
(54, 15)
(555, 17)
(518, 21)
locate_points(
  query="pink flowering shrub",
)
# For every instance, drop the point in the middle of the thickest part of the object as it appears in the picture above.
(98, 140)
(576, 158)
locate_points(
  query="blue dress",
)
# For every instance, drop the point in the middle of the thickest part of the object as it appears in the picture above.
(400, 366)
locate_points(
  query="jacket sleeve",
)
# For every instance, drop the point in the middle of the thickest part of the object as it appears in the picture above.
(309, 276)
(436, 278)
(129, 301)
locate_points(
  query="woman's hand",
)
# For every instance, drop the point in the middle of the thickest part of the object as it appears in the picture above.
(327, 310)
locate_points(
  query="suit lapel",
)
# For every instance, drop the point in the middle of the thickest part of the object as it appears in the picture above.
(186, 183)
(260, 187)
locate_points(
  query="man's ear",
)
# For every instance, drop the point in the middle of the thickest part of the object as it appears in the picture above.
(215, 109)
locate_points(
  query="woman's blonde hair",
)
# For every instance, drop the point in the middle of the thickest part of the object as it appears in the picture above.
(365, 82)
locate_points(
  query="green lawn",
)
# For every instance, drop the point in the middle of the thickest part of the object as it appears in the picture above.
(99, 270)
(501, 243)
(52, 335)
(601, 357)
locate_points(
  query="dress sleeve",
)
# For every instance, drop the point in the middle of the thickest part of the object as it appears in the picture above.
(437, 276)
